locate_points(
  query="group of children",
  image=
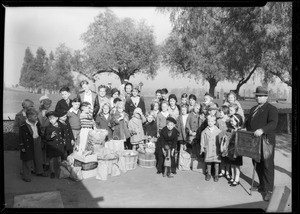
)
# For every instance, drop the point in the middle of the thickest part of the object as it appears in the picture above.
(47, 137)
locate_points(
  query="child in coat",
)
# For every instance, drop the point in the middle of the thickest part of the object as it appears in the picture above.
(181, 127)
(150, 128)
(135, 126)
(135, 101)
(168, 136)
(65, 103)
(192, 124)
(68, 134)
(74, 118)
(210, 147)
(20, 117)
(223, 123)
(236, 122)
(162, 117)
(119, 123)
(103, 120)
(54, 136)
(30, 141)
(87, 124)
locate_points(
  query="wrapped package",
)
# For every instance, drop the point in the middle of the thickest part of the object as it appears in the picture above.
(96, 137)
(88, 164)
(115, 171)
(102, 172)
(184, 161)
(76, 174)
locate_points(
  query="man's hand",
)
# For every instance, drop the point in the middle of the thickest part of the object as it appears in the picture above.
(258, 132)
(23, 150)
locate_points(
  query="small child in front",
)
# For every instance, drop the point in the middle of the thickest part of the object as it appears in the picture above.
(55, 142)
(135, 126)
(210, 147)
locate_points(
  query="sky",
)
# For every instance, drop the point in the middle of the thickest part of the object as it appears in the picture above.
(47, 27)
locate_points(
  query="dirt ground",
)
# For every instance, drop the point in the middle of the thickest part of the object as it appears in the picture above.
(142, 187)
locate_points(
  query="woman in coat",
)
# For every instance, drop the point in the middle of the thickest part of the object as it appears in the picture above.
(134, 102)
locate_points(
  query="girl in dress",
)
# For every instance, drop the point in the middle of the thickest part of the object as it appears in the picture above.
(119, 124)
(103, 120)
(162, 117)
(173, 109)
(235, 162)
(134, 102)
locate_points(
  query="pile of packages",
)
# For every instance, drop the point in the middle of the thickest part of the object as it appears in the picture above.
(99, 159)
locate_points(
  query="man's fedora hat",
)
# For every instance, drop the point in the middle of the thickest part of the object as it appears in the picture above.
(260, 90)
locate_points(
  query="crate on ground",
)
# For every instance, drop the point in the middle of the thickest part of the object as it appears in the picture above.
(131, 157)
(146, 160)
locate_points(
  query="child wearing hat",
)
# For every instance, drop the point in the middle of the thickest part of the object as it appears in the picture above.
(167, 139)
(68, 134)
(135, 126)
(54, 136)
(135, 101)
(210, 147)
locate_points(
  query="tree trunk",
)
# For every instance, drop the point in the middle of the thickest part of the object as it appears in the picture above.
(212, 85)
(123, 75)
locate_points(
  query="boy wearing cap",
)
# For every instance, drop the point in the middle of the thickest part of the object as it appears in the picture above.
(30, 141)
(168, 138)
(55, 142)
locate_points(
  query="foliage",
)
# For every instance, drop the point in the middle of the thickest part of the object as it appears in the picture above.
(119, 46)
(194, 48)
(26, 69)
(62, 66)
(277, 59)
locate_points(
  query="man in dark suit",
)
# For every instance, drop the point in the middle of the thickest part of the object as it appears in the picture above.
(262, 120)
(65, 103)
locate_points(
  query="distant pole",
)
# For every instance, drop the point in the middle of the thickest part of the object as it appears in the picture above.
(244, 93)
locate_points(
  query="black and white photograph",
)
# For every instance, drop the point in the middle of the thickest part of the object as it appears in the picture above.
(148, 107)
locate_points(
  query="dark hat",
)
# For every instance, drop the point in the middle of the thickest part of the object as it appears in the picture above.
(212, 107)
(261, 90)
(171, 119)
(114, 90)
(208, 94)
(61, 113)
(52, 113)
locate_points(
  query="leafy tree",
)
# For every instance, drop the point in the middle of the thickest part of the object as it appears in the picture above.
(194, 48)
(62, 67)
(119, 46)
(276, 19)
(26, 70)
(39, 68)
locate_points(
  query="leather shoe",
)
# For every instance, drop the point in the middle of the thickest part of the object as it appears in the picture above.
(257, 188)
(170, 176)
(268, 196)
(234, 183)
(216, 178)
(42, 175)
(207, 177)
(26, 179)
